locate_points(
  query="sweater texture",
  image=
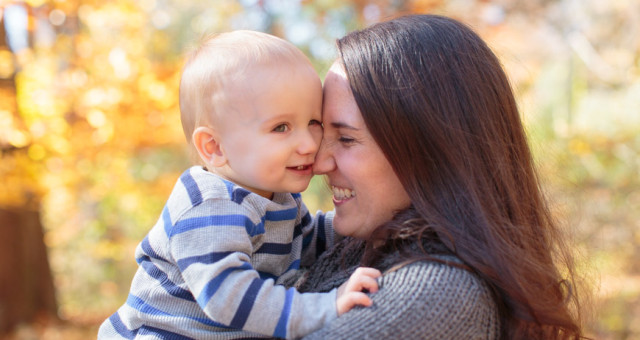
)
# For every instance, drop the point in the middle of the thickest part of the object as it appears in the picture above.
(213, 264)
(419, 300)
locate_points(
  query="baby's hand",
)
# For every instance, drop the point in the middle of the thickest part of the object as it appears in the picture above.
(350, 293)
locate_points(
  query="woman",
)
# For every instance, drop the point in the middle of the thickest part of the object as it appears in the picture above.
(434, 183)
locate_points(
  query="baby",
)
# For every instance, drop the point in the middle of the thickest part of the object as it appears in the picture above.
(235, 227)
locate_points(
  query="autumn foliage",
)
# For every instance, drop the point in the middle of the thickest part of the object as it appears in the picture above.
(90, 138)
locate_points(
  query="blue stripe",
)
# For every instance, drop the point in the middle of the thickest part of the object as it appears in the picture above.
(209, 258)
(229, 187)
(305, 220)
(189, 224)
(242, 314)
(117, 324)
(213, 285)
(146, 247)
(192, 188)
(299, 228)
(297, 231)
(239, 195)
(161, 333)
(236, 193)
(281, 327)
(296, 195)
(164, 280)
(266, 275)
(321, 242)
(281, 215)
(166, 219)
(258, 228)
(294, 265)
(142, 306)
(307, 240)
(275, 248)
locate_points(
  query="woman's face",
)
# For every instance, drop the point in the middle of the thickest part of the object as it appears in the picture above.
(366, 190)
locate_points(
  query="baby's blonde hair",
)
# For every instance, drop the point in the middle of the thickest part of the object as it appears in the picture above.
(215, 60)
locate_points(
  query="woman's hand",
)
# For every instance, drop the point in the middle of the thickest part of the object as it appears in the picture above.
(352, 293)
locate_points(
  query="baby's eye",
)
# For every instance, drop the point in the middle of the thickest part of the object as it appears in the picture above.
(281, 128)
(315, 122)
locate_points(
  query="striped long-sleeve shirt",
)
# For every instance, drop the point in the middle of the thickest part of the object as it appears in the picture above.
(210, 267)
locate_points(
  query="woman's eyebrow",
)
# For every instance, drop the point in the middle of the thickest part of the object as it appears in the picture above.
(342, 125)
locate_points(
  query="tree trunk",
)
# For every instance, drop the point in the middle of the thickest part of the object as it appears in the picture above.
(26, 284)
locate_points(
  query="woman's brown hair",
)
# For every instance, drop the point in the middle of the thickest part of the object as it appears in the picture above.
(439, 105)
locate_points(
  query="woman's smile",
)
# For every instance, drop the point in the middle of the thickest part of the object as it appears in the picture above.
(342, 194)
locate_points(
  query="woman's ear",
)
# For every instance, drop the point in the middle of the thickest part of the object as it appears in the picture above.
(207, 143)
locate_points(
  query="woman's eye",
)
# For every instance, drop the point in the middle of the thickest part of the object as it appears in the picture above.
(281, 128)
(346, 140)
(315, 122)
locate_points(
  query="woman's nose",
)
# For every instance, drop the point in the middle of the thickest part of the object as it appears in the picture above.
(325, 162)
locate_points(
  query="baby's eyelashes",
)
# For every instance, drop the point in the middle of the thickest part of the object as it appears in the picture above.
(281, 128)
(315, 122)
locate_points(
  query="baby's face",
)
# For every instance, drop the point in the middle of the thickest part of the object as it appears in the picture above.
(271, 128)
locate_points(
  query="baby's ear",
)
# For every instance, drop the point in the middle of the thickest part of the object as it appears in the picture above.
(207, 143)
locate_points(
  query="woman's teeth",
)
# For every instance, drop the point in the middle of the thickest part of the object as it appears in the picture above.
(342, 193)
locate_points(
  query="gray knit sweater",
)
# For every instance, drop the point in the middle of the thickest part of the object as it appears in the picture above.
(421, 300)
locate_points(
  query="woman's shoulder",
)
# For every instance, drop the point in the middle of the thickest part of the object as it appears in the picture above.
(422, 300)
(443, 273)
(444, 294)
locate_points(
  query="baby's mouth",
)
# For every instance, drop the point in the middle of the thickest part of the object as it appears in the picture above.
(341, 194)
(300, 167)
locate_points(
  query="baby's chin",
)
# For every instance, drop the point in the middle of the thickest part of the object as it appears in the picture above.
(297, 188)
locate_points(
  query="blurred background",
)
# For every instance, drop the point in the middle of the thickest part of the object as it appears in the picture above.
(91, 143)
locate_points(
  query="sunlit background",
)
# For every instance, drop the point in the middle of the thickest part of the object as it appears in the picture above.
(91, 143)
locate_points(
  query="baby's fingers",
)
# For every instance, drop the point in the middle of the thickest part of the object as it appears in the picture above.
(362, 283)
(352, 299)
(364, 279)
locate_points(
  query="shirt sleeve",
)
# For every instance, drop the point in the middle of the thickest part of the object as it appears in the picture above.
(211, 245)
(421, 301)
(317, 232)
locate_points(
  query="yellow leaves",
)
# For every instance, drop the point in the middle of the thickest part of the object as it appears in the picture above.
(96, 118)
(120, 63)
(215, 19)
(57, 17)
(10, 133)
(17, 138)
(36, 152)
(37, 91)
(6, 64)
(110, 250)
(36, 3)
(579, 147)
(19, 185)
(158, 91)
(424, 6)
